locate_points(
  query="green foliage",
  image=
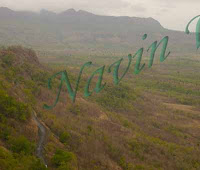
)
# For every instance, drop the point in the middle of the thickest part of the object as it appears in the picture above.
(65, 166)
(126, 123)
(155, 144)
(2, 118)
(90, 129)
(63, 159)
(9, 107)
(21, 145)
(40, 77)
(64, 137)
(38, 165)
(30, 84)
(10, 74)
(9, 161)
(8, 58)
(5, 131)
(139, 148)
(114, 152)
(117, 98)
(29, 96)
(123, 164)
(139, 167)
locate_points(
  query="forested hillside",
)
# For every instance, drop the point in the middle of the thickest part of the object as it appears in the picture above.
(149, 121)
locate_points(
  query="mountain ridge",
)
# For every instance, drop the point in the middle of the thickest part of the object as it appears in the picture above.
(78, 31)
(69, 11)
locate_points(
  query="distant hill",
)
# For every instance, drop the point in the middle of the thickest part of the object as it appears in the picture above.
(81, 32)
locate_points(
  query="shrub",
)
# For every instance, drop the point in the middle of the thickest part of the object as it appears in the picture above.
(65, 166)
(29, 96)
(8, 58)
(90, 129)
(21, 145)
(9, 161)
(62, 157)
(40, 77)
(5, 131)
(38, 165)
(117, 98)
(6, 160)
(11, 108)
(64, 137)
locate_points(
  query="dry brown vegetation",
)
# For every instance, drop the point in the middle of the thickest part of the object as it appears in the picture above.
(149, 121)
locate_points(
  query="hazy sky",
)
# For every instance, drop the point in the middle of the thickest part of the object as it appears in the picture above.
(173, 14)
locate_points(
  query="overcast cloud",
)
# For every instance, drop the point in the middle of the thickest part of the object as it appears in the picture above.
(172, 14)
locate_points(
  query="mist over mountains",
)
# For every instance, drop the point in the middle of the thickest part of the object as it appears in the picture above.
(147, 121)
(80, 32)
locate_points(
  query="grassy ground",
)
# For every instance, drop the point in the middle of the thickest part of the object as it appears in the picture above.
(149, 121)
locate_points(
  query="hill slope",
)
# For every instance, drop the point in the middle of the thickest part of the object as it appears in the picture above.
(130, 126)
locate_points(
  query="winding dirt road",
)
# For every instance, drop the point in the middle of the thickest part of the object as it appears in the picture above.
(42, 137)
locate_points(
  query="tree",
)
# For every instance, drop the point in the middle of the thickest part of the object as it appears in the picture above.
(21, 145)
